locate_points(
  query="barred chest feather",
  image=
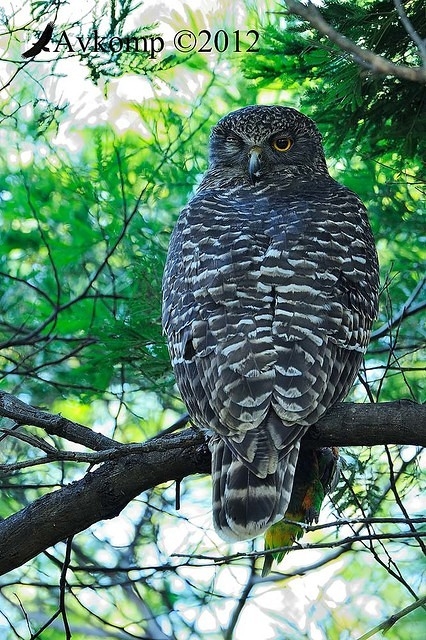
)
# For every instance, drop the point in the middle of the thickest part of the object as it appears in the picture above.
(269, 294)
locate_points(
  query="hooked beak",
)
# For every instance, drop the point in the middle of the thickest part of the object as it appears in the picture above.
(254, 163)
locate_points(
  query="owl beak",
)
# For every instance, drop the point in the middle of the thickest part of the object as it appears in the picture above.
(255, 154)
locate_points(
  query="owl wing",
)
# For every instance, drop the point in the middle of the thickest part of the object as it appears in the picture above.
(264, 317)
(218, 317)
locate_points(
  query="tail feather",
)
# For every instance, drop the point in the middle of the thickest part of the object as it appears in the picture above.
(244, 504)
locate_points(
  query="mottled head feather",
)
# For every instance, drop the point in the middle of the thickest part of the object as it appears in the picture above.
(258, 122)
(236, 133)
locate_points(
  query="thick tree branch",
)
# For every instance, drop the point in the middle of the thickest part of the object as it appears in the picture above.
(366, 58)
(22, 413)
(350, 424)
(104, 492)
(99, 495)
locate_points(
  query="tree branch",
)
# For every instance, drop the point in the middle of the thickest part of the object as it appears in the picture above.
(22, 413)
(99, 495)
(407, 309)
(351, 424)
(408, 26)
(372, 61)
(387, 624)
(104, 492)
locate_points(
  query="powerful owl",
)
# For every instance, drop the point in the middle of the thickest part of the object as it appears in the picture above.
(270, 291)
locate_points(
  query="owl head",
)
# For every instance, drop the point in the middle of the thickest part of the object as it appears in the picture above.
(258, 140)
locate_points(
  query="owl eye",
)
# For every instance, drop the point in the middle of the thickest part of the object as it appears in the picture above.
(232, 138)
(282, 144)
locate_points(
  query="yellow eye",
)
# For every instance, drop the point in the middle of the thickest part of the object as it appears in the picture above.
(282, 144)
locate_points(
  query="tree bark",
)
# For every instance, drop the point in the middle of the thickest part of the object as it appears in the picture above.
(127, 470)
(100, 494)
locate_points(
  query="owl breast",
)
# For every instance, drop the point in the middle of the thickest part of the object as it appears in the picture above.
(270, 291)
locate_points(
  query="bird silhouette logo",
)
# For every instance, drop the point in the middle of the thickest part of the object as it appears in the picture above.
(41, 44)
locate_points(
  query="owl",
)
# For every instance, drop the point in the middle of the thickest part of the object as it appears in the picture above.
(269, 294)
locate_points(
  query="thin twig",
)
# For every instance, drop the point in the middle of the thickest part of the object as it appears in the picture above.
(407, 309)
(408, 26)
(242, 601)
(389, 622)
(398, 498)
(295, 547)
(62, 588)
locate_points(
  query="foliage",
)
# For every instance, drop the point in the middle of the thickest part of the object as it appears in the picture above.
(88, 197)
(386, 114)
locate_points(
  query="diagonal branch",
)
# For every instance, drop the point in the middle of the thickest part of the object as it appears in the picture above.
(387, 624)
(22, 413)
(372, 61)
(409, 27)
(407, 309)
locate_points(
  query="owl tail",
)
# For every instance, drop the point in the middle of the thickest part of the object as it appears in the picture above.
(245, 505)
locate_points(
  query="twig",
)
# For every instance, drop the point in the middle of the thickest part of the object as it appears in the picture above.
(38, 443)
(408, 25)
(398, 498)
(407, 309)
(62, 588)
(349, 540)
(366, 58)
(340, 522)
(389, 622)
(242, 601)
